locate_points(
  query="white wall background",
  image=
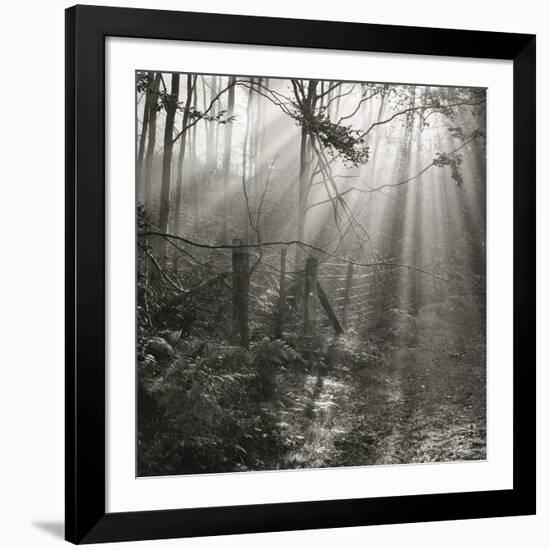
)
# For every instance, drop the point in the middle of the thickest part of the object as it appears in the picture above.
(31, 240)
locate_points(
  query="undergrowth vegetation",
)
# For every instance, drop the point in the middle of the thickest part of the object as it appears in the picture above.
(204, 405)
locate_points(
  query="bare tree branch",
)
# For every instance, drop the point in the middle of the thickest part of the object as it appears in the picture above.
(289, 243)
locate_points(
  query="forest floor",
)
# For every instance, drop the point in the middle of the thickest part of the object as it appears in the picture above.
(419, 405)
(349, 402)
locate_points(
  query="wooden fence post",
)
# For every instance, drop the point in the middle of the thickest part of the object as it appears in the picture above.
(332, 317)
(281, 304)
(241, 282)
(310, 295)
(347, 295)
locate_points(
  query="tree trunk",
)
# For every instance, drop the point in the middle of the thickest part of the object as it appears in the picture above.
(240, 293)
(210, 160)
(302, 195)
(228, 138)
(195, 172)
(377, 138)
(217, 127)
(171, 107)
(151, 141)
(247, 176)
(191, 80)
(260, 131)
(281, 303)
(149, 96)
(310, 295)
(308, 110)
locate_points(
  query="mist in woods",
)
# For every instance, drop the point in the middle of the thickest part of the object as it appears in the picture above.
(311, 273)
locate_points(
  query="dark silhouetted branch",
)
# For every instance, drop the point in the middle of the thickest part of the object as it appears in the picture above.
(289, 243)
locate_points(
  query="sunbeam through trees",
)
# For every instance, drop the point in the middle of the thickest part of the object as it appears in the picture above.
(311, 274)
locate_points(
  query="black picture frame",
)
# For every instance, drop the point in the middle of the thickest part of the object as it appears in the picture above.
(86, 30)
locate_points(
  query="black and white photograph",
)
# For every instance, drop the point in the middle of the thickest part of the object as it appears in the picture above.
(311, 273)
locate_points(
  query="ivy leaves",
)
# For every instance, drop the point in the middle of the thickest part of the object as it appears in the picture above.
(454, 159)
(336, 138)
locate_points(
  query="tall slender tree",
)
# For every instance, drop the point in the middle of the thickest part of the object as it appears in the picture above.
(149, 97)
(171, 105)
(306, 98)
(191, 82)
(228, 138)
(147, 183)
(210, 126)
(247, 175)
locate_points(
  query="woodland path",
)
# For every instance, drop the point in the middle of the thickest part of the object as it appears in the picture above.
(420, 406)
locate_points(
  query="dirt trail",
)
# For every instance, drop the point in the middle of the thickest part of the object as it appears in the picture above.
(422, 406)
(315, 420)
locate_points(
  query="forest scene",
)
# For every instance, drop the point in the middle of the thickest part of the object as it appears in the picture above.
(311, 273)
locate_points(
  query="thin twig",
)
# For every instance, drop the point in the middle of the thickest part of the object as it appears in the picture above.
(289, 243)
